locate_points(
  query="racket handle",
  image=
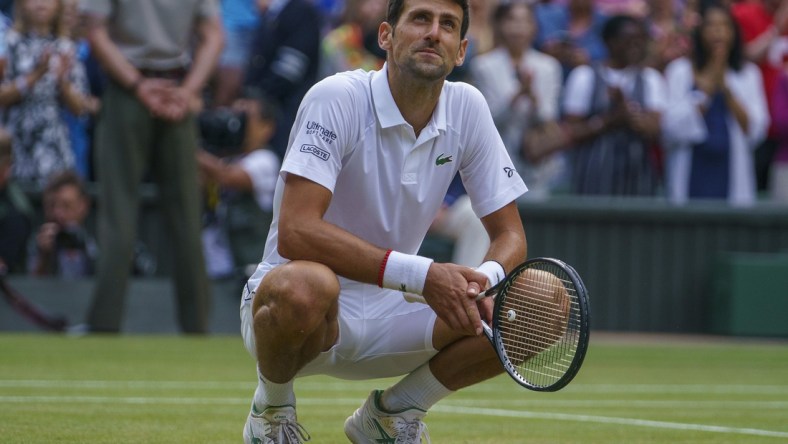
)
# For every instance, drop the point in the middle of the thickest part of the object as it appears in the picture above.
(413, 297)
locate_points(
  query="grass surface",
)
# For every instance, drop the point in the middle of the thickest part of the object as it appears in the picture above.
(167, 389)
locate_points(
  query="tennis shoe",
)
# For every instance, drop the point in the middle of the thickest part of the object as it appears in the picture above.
(370, 424)
(274, 425)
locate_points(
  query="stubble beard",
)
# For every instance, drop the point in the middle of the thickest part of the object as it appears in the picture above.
(426, 71)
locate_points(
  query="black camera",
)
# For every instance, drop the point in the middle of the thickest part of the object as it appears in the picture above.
(70, 240)
(222, 131)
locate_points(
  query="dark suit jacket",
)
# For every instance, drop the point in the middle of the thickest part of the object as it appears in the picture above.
(284, 61)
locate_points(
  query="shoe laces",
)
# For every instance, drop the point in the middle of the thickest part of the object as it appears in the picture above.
(411, 433)
(291, 432)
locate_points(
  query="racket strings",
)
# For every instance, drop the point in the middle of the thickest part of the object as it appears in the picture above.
(539, 324)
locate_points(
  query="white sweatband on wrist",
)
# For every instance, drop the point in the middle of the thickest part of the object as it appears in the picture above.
(494, 272)
(405, 272)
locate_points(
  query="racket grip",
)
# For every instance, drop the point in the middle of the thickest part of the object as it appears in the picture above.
(413, 297)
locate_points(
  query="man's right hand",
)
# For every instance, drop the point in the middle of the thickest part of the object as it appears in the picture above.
(451, 291)
(153, 93)
(45, 238)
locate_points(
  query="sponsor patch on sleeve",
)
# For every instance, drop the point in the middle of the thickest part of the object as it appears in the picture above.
(315, 151)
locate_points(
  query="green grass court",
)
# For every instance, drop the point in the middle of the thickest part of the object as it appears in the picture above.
(175, 389)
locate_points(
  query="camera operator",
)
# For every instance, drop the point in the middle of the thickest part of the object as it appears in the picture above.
(62, 245)
(239, 173)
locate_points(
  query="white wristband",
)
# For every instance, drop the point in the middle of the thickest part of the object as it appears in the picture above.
(494, 271)
(406, 272)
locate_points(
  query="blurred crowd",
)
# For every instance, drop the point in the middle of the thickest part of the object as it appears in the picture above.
(677, 99)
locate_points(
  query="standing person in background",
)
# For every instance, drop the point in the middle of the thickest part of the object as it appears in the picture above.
(668, 31)
(354, 43)
(614, 110)
(522, 87)
(41, 76)
(80, 126)
(16, 213)
(239, 19)
(147, 123)
(571, 33)
(764, 28)
(718, 115)
(285, 59)
(481, 37)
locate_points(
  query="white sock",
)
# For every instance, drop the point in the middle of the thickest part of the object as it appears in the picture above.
(419, 389)
(272, 394)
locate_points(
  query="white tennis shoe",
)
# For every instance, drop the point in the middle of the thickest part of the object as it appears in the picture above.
(370, 424)
(274, 425)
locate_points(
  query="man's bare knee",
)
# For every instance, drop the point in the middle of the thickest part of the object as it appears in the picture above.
(296, 296)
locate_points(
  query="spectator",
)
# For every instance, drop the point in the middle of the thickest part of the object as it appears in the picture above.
(354, 43)
(147, 123)
(670, 38)
(718, 115)
(63, 247)
(634, 8)
(239, 18)
(285, 59)
(241, 190)
(614, 110)
(481, 32)
(778, 184)
(80, 127)
(481, 38)
(571, 33)
(15, 212)
(522, 87)
(5, 25)
(764, 27)
(42, 75)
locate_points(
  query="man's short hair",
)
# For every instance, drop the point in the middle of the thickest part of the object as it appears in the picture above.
(396, 6)
(65, 178)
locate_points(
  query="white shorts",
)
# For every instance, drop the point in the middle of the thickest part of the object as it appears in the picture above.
(380, 334)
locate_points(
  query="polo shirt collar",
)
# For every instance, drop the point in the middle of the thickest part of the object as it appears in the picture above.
(387, 111)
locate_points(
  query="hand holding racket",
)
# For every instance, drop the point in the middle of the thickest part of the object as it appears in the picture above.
(540, 324)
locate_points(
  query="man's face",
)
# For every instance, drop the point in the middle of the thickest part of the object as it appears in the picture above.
(518, 28)
(66, 206)
(630, 44)
(425, 42)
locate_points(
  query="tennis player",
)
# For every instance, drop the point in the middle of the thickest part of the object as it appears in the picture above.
(369, 159)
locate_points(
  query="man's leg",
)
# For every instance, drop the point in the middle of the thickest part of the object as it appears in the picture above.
(295, 317)
(294, 311)
(461, 362)
(175, 168)
(397, 412)
(122, 147)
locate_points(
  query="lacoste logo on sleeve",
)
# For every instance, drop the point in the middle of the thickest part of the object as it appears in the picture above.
(317, 152)
(440, 160)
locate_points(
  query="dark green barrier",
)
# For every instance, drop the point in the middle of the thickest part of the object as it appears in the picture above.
(649, 265)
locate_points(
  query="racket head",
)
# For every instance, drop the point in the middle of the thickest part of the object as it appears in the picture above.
(541, 324)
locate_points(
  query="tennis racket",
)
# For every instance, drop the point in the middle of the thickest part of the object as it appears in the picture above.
(540, 324)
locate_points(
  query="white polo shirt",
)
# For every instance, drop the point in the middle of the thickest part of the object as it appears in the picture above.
(387, 184)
